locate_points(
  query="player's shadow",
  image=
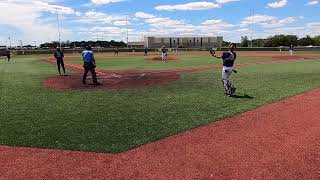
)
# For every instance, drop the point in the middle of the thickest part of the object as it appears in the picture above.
(246, 96)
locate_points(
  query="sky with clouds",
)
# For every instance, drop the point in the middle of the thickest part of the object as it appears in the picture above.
(35, 21)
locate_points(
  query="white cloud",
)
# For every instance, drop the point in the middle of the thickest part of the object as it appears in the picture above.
(189, 6)
(164, 26)
(44, 6)
(269, 21)
(201, 5)
(166, 23)
(217, 22)
(105, 33)
(225, 1)
(259, 18)
(278, 4)
(121, 23)
(143, 15)
(312, 3)
(99, 17)
(25, 18)
(311, 29)
(103, 2)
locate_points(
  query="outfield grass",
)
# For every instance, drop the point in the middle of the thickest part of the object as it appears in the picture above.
(117, 120)
(124, 63)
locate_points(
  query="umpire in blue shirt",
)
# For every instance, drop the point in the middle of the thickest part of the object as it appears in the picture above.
(89, 64)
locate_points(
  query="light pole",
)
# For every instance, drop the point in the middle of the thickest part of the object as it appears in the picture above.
(35, 44)
(58, 28)
(9, 42)
(252, 27)
(21, 47)
(127, 31)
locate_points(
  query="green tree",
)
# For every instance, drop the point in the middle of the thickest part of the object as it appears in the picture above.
(316, 40)
(306, 41)
(259, 42)
(244, 41)
(281, 40)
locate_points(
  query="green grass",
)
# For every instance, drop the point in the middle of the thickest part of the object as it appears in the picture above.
(124, 63)
(117, 120)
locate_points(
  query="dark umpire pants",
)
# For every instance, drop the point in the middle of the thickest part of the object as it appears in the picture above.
(89, 67)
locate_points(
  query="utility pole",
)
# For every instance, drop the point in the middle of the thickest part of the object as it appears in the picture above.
(252, 27)
(127, 31)
(9, 42)
(58, 28)
(21, 47)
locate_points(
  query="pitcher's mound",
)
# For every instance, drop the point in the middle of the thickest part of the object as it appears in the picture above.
(112, 81)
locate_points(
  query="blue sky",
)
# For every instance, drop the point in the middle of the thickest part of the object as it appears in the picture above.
(34, 21)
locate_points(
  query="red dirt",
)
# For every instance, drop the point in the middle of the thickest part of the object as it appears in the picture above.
(277, 141)
(110, 81)
(113, 79)
(153, 77)
(170, 58)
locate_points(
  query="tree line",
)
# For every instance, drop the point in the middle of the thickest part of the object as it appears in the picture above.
(82, 44)
(281, 40)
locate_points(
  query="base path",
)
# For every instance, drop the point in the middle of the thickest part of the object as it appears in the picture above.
(277, 141)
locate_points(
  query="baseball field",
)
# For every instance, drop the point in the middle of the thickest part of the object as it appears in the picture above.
(143, 101)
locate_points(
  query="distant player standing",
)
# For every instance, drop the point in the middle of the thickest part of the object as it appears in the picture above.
(146, 51)
(116, 51)
(89, 64)
(164, 53)
(291, 50)
(228, 58)
(8, 53)
(59, 57)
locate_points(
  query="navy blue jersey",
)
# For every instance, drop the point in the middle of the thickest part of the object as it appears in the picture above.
(228, 58)
(58, 55)
(164, 50)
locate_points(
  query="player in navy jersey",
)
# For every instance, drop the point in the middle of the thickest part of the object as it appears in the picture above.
(8, 53)
(59, 57)
(116, 51)
(146, 51)
(228, 58)
(164, 53)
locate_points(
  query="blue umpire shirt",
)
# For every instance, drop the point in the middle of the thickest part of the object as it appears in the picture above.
(87, 56)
